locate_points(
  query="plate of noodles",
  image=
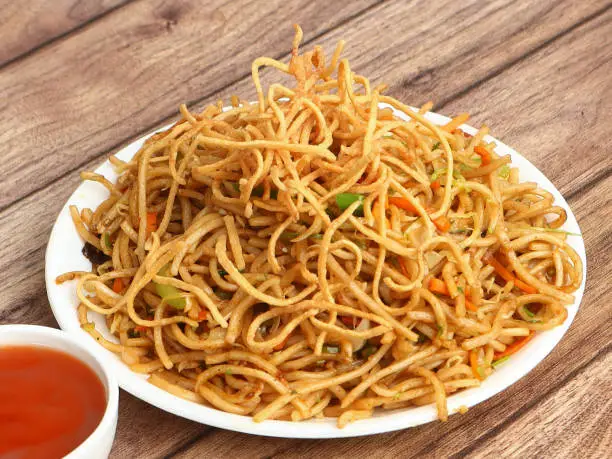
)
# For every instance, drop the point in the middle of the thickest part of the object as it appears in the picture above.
(323, 262)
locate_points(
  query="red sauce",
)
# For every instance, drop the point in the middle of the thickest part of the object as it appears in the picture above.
(50, 402)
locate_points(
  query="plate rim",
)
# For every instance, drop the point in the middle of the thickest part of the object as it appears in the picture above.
(528, 358)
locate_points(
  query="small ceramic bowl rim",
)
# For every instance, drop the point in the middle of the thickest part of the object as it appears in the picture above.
(39, 336)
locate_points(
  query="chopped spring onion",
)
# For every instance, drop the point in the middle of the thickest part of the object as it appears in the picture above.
(344, 200)
(397, 396)
(504, 172)
(440, 330)
(460, 289)
(228, 372)
(500, 361)
(435, 146)
(107, 241)
(170, 294)
(528, 312)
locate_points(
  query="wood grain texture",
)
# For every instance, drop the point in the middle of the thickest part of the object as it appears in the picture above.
(537, 72)
(81, 96)
(113, 79)
(26, 27)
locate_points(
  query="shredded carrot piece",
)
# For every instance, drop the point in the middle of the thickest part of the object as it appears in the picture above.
(469, 305)
(435, 185)
(140, 328)
(117, 285)
(438, 286)
(474, 364)
(402, 203)
(514, 347)
(202, 315)
(508, 276)
(403, 267)
(442, 223)
(456, 122)
(151, 221)
(484, 154)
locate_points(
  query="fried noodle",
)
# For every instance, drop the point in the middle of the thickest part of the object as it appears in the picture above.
(313, 254)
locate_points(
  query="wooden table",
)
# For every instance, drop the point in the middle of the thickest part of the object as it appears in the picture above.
(79, 79)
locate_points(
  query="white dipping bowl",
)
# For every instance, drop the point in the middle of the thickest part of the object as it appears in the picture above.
(99, 443)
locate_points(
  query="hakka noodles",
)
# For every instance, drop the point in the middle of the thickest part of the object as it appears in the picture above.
(313, 255)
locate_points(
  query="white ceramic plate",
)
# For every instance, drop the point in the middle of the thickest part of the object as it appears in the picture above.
(64, 254)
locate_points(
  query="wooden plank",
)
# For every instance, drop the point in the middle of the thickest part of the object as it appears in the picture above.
(549, 106)
(81, 96)
(85, 95)
(35, 22)
(580, 409)
(585, 339)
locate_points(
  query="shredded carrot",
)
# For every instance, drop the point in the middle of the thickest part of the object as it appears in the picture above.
(438, 286)
(140, 328)
(117, 285)
(474, 364)
(402, 203)
(435, 185)
(442, 223)
(514, 347)
(484, 154)
(151, 221)
(202, 315)
(508, 276)
(456, 122)
(469, 305)
(281, 345)
(403, 267)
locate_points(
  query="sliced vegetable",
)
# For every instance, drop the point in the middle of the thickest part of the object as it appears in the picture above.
(117, 285)
(402, 203)
(438, 286)
(435, 185)
(403, 267)
(140, 328)
(344, 200)
(107, 241)
(504, 172)
(170, 294)
(435, 146)
(500, 361)
(508, 276)
(442, 223)
(202, 315)
(484, 154)
(151, 222)
(514, 347)
(91, 252)
(476, 371)
(528, 312)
